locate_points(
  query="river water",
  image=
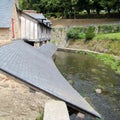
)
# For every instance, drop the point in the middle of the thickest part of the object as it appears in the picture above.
(86, 74)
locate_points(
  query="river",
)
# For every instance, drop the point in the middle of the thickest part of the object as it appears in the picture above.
(86, 74)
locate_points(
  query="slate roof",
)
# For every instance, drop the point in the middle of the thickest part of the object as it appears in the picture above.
(6, 7)
(46, 21)
(38, 16)
(35, 67)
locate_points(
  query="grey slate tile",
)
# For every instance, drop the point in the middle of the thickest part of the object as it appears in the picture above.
(6, 8)
(36, 67)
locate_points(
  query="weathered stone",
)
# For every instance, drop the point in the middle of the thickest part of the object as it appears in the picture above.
(98, 91)
(17, 102)
(70, 82)
(56, 110)
(81, 115)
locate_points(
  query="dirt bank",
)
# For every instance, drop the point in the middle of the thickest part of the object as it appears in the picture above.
(17, 102)
(102, 46)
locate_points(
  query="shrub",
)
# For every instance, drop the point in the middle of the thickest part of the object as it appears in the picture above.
(81, 35)
(76, 33)
(90, 33)
(72, 34)
(108, 28)
(117, 28)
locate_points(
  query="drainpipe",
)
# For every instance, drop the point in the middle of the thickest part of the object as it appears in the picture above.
(13, 31)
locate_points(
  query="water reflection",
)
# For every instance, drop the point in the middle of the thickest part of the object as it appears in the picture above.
(86, 74)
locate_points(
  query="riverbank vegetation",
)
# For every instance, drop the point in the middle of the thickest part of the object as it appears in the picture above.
(100, 32)
(101, 38)
(109, 36)
(40, 116)
(74, 8)
(111, 61)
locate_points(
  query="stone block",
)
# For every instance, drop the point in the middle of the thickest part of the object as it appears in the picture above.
(56, 110)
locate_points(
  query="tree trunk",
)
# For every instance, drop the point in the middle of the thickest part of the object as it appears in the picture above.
(108, 10)
(88, 11)
(119, 10)
(97, 11)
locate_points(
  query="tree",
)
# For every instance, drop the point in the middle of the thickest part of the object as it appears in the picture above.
(97, 6)
(117, 6)
(85, 5)
(69, 8)
(108, 5)
(27, 4)
(50, 5)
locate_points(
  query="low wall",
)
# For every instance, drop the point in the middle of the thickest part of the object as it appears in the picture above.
(60, 27)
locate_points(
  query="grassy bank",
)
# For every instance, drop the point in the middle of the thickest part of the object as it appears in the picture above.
(111, 61)
(110, 48)
(104, 39)
(109, 36)
(102, 46)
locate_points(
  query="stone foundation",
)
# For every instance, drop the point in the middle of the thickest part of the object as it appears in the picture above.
(18, 101)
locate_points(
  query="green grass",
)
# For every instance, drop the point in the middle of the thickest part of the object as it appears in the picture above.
(110, 60)
(40, 116)
(109, 36)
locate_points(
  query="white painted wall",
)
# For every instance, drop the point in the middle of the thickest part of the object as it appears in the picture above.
(29, 29)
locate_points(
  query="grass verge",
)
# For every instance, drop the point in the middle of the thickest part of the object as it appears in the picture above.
(110, 60)
(109, 36)
(40, 116)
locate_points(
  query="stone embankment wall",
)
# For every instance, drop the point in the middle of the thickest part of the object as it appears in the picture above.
(60, 27)
(4, 34)
(18, 101)
(58, 36)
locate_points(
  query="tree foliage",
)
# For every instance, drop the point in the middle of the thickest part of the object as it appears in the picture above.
(70, 8)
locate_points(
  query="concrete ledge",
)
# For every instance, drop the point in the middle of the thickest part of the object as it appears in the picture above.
(56, 110)
(74, 50)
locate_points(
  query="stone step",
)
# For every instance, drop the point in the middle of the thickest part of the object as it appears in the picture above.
(56, 110)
